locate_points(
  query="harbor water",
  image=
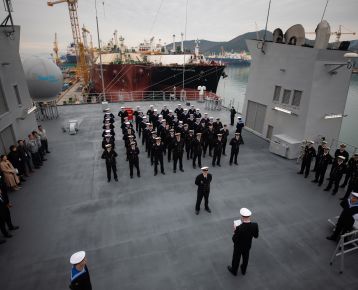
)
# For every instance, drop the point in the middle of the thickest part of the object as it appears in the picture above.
(233, 90)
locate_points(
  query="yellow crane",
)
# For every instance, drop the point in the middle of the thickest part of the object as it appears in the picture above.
(88, 47)
(82, 67)
(55, 50)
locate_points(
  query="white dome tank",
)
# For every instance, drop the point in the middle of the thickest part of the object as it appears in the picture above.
(44, 78)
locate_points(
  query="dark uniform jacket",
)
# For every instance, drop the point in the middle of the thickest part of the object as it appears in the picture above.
(235, 143)
(157, 150)
(239, 127)
(110, 133)
(339, 153)
(243, 235)
(232, 112)
(110, 127)
(338, 171)
(104, 143)
(81, 281)
(178, 146)
(203, 183)
(349, 210)
(110, 156)
(324, 161)
(218, 146)
(309, 153)
(133, 154)
(122, 115)
(197, 146)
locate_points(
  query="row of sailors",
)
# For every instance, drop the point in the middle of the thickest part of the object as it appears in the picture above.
(341, 165)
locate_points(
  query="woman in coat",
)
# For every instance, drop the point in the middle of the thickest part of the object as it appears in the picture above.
(10, 176)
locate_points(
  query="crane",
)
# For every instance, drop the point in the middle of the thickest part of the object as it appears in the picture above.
(55, 50)
(82, 67)
(338, 33)
(88, 48)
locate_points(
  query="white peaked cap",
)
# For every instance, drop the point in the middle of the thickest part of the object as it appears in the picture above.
(77, 257)
(354, 193)
(205, 168)
(151, 106)
(179, 104)
(155, 110)
(122, 107)
(127, 123)
(341, 157)
(245, 212)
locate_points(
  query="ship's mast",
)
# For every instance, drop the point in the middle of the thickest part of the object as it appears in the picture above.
(100, 54)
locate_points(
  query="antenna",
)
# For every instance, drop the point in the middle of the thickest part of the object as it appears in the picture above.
(104, 11)
(267, 18)
(324, 11)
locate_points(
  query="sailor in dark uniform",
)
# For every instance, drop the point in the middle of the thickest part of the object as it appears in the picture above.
(178, 151)
(138, 118)
(80, 278)
(351, 166)
(218, 148)
(209, 137)
(108, 120)
(179, 110)
(110, 156)
(309, 154)
(107, 125)
(242, 239)
(108, 132)
(107, 140)
(133, 158)
(217, 126)
(232, 115)
(170, 118)
(319, 153)
(347, 218)
(341, 151)
(154, 119)
(353, 181)
(142, 127)
(165, 112)
(197, 114)
(150, 112)
(191, 110)
(235, 148)
(203, 181)
(197, 149)
(324, 160)
(240, 124)
(151, 142)
(336, 175)
(157, 153)
(108, 114)
(122, 114)
(189, 138)
(225, 132)
(169, 143)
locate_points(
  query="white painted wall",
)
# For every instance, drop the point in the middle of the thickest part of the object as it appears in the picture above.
(10, 75)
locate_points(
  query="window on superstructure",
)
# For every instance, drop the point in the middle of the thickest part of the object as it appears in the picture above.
(277, 93)
(17, 94)
(3, 105)
(286, 97)
(296, 100)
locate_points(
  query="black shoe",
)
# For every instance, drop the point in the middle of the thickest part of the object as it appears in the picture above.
(342, 198)
(331, 238)
(194, 166)
(243, 272)
(155, 173)
(230, 163)
(314, 181)
(48, 152)
(306, 176)
(181, 169)
(219, 165)
(163, 172)
(197, 212)
(334, 192)
(44, 159)
(131, 176)
(8, 235)
(343, 186)
(299, 172)
(116, 179)
(2, 241)
(236, 163)
(213, 165)
(326, 189)
(208, 210)
(108, 180)
(319, 184)
(174, 171)
(14, 228)
(138, 174)
(231, 271)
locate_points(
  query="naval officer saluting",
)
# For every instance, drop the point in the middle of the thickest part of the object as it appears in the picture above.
(80, 278)
(203, 181)
(242, 239)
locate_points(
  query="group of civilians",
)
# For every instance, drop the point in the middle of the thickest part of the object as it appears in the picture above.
(22, 160)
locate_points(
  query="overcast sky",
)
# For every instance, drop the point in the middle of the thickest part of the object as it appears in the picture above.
(217, 20)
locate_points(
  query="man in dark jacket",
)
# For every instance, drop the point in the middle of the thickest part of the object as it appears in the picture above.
(323, 161)
(240, 124)
(348, 215)
(16, 161)
(209, 139)
(197, 149)
(235, 148)
(122, 114)
(133, 153)
(203, 181)
(309, 154)
(5, 206)
(225, 132)
(336, 175)
(341, 151)
(320, 151)
(232, 115)
(80, 278)
(242, 239)
(353, 183)
(178, 151)
(110, 156)
(157, 153)
(351, 166)
(218, 148)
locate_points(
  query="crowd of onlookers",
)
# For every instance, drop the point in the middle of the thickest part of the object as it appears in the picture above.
(22, 160)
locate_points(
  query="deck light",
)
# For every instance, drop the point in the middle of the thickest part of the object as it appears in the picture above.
(284, 111)
(334, 116)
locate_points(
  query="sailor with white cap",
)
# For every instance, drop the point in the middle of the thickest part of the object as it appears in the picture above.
(178, 151)
(108, 114)
(138, 118)
(132, 155)
(209, 139)
(242, 239)
(240, 124)
(341, 151)
(157, 155)
(142, 127)
(203, 181)
(232, 115)
(165, 111)
(336, 175)
(191, 111)
(307, 157)
(169, 143)
(107, 140)
(80, 278)
(218, 148)
(323, 161)
(179, 110)
(235, 148)
(197, 114)
(122, 114)
(150, 111)
(110, 156)
(347, 218)
(352, 165)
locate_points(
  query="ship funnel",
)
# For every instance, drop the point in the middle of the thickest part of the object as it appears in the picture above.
(295, 35)
(277, 35)
(323, 33)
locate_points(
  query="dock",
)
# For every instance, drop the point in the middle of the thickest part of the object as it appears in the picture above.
(142, 233)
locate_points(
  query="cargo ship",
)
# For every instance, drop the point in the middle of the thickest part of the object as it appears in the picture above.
(153, 70)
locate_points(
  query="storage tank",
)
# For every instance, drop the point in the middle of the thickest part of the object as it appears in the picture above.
(44, 78)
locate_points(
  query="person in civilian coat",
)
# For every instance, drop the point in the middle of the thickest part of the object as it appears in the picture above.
(10, 177)
(203, 181)
(242, 240)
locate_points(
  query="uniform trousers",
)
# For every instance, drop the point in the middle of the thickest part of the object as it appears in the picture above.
(306, 165)
(216, 158)
(196, 155)
(157, 160)
(236, 256)
(133, 163)
(199, 198)
(110, 167)
(233, 155)
(177, 157)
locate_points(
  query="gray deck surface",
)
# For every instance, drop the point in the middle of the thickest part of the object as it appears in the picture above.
(143, 233)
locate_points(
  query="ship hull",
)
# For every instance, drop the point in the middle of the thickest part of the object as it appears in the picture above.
(137, 77)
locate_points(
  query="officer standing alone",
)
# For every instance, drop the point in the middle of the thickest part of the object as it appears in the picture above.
(242, 240)
(80, 278)
(203, 181)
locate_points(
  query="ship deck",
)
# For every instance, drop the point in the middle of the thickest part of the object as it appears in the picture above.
(143, 233)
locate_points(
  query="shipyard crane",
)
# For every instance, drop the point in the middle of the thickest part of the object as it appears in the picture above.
(82, 67)
(88, 47)
(55, 50)
(338, 33)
